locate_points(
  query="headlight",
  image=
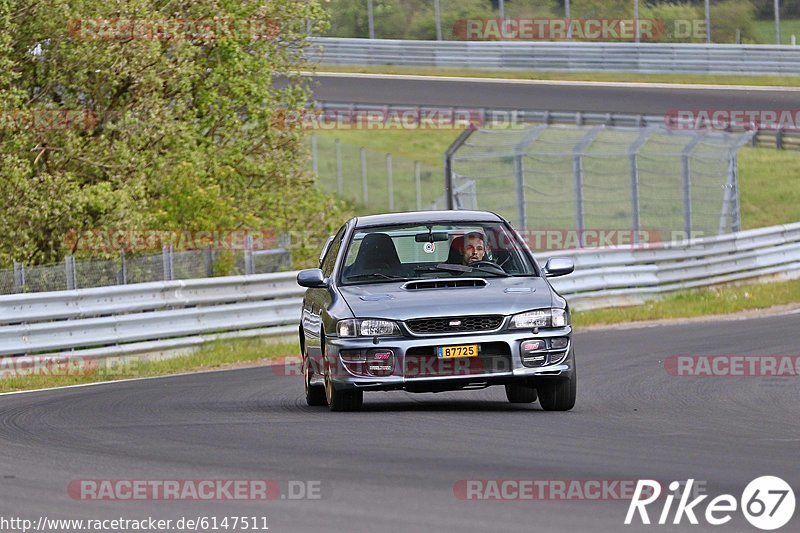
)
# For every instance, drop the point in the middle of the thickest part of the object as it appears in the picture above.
(541, 318)
(367, 327)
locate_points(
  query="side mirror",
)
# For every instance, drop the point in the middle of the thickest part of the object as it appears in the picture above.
(558, 266)
(312, 278)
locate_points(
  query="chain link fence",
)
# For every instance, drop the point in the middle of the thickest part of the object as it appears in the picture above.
(375, 181)
(554, 177)
(166, 266)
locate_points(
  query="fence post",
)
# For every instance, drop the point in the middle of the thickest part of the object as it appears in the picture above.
(339, 185)
(633, 155)
(370, 19)
(364, 192)
(437, 14)
(730, 202)
(448, 164)
(519, 174)
(166, 259)
(123, 271)
(389, 182)
(210, 262)
(70, 272)
(314, 154)
(249, 265)
(577, 172)
(418, 185)
(19, 275)
(687, 183)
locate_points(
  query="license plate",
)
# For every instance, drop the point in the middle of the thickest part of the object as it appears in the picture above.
(463, 350)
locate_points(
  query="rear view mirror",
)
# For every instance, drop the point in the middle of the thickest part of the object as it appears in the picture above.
(436, 236)
(558, 266)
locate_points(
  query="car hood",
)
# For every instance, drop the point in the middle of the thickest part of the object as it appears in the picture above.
(500, 296)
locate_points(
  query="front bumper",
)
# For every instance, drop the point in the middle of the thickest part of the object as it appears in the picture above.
(415, 367)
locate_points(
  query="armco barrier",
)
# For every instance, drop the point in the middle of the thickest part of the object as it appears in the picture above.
(164, 316)
(665, 58)
(148, 317)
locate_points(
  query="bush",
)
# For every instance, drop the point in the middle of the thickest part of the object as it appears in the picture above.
(184, 133)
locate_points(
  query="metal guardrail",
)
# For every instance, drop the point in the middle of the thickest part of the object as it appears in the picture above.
(149, 316)
(165, 316)
(610, 277)
(665, 58)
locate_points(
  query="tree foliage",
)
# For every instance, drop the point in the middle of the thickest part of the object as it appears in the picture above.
(185, 133)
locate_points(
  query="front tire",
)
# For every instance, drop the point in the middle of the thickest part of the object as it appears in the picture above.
(341, 400)
(520, 393)
(315, 394)
(558, 395)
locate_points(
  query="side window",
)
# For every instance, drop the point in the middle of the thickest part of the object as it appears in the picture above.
(333, 250)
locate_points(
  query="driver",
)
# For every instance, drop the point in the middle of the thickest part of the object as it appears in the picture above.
(474, 248)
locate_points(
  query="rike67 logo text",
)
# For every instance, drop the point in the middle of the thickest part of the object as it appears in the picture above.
(767, 502)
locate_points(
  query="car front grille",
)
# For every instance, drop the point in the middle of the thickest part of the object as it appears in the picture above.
(456, 324)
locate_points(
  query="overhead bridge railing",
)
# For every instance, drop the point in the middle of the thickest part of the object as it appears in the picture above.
(174, 315)
(662, 58)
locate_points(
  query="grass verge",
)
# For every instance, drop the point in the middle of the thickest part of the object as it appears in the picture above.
(215, 355)
(769, 185)
(698, 302)
(765, 30)
(632, 77)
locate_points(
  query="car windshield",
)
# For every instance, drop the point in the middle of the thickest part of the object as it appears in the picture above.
(392, 253)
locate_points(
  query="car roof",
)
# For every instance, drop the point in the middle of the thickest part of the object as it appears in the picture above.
(426, 217)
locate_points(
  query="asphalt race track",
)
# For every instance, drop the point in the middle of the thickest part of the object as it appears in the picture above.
(393, 466)
(554, 96)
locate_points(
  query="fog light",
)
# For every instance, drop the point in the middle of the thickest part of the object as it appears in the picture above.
(353, 357)
(559, 343)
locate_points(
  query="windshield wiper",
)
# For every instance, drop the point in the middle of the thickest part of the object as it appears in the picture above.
(444, 267)
(492, 270)
(373, 275)
(448, 267)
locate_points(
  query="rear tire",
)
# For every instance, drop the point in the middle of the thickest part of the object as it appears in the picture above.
(342, 400)
(315, 394)
(520, 394)
(558, 395)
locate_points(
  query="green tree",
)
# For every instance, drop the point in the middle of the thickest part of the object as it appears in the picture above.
(186, 133)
